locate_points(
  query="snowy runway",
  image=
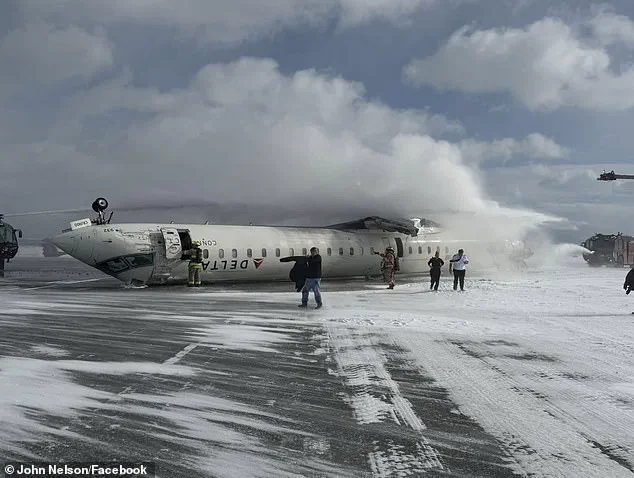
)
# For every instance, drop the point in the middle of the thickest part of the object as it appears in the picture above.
(517, 376)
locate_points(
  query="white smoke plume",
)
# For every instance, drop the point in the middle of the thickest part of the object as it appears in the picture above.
(245, 143)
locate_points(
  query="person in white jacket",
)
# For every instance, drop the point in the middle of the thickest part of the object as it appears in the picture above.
(457, 263)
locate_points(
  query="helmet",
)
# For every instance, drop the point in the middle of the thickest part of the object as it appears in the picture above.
(196, 243)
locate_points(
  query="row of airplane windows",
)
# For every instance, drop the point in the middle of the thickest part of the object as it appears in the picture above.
(291, 252)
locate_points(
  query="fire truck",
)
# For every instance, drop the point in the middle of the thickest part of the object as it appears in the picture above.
(614, 250)
(610, 249)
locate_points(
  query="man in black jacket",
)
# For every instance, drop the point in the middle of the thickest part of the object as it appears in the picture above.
(628, 285)
(435, 263)
(313, 278)
(629, 282)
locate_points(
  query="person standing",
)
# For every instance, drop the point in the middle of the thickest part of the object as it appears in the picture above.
(629, 282)
(458, 263)
(313, 278)
(195, 265)
(435, 264)
(388, 266)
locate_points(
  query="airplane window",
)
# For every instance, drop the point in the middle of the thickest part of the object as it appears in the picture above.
(410, 249)
(206, 254)
(341, 251)
(263, 252)
(304, 251)
(428, 250)
(372, 250)
(249, 253)
(221, 253)
(361, 250)
(352, 251)
(234, 253)
(329, 251)
(291, 252)
(277, 252)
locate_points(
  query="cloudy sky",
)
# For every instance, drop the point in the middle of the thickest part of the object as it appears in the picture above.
(315, 110)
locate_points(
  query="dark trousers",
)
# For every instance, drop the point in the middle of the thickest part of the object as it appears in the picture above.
(458, 276)
(435, 278)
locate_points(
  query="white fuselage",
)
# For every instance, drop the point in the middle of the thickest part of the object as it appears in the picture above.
(152, 254)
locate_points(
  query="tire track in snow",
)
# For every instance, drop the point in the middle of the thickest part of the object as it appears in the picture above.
(375, 397)
(543, 439)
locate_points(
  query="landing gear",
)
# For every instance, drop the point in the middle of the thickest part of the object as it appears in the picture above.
(99, 205)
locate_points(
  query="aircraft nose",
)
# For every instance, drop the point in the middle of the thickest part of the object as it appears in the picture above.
(67, 242)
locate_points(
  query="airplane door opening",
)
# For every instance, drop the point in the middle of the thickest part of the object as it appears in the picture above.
(186, 240)
(399, 246)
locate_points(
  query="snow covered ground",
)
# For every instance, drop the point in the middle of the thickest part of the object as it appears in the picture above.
(529, 374)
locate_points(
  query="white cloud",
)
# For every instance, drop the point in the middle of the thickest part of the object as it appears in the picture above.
(535, 146)
(41, 54)
(545, 65)
(355, 12)
(243, 132)
(610, 28)
(227, 22)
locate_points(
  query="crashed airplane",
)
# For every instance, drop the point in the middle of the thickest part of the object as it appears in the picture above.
(153, 254)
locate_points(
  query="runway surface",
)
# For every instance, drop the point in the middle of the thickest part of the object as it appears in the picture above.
(235, 381)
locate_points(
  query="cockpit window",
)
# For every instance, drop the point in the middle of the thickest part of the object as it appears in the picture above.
(139, 260)
(116, 265)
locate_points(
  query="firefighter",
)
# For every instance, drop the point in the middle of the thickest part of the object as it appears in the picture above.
(388, 266)
(195, 265)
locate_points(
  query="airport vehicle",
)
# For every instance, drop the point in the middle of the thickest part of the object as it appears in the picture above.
(157, 253)
(609, 250)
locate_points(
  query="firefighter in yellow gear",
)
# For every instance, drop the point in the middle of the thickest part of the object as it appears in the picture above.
(195, 265)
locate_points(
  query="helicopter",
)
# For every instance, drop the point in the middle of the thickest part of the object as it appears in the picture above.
(8, 242)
